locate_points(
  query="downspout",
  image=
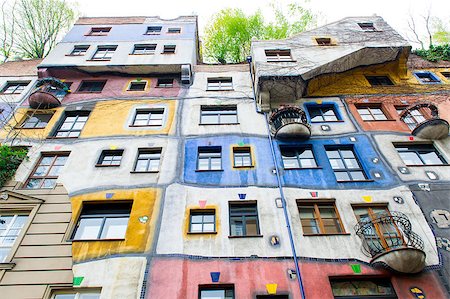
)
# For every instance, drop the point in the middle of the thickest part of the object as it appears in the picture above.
(280, 187)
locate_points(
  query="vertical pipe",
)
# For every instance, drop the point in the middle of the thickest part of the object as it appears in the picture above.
(280, 188)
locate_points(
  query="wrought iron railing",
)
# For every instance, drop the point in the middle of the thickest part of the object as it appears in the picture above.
(385, 231)
(413, 117)
(53, 86)
(287, 115)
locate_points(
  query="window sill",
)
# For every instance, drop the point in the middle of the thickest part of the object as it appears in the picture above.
(380, 120)
(96, 240)
(167, 53)
(70, 55)
(128, 90)
(144, 171)
(270, 61)
(219, 89)
(148, 126)
(247, 236)
(101, 165)
(141, 54)
(329, 121)
(7, 266)
(20, 128)
(219, 124)
(301, 168)
(163, 86)
(202, 233)
(158, 33)
(88, 91)
(208, 170)
(98, 59)
(54, 137)
(243, 167)
(331, 234)
(432, 165)
(357, 181)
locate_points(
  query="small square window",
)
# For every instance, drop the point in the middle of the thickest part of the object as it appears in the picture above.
(103, 221)
(218, 115)
(104, 53)
(15, 87)
(110, 158)
(242, 157)
(202, 221)
(174, 30)
(243, 219)
(371, 112)
(148, 117)
(427, 78)
(320, 217)
(419, 154)
(322, 113)
(144, 49)
(99, 31)
(216, 292)
(169, 49)
(209, 158)
(137, 86)
(379, 80)
(278, 55)
(91, 86)
(46, 171)
(153, 30)
(165, 82)
(36, 120)
(79, 50)
(297, 157)
(148, 160)
(323, 41)
(367, 26)
(215, 84)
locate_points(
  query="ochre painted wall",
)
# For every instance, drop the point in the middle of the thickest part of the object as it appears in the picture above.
(139, 235)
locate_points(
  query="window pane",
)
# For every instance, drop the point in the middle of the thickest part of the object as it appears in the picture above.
(410, 158)
(342, 176)
(357, 175)
(251, 226)
(65, 296)
(430, 158)
(88, 229)
(237, 226)
(114, 228)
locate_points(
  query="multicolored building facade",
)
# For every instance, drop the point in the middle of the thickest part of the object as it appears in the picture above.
(318, 169)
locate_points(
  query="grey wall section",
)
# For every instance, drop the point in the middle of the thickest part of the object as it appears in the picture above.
(40, 257)
(435, 204)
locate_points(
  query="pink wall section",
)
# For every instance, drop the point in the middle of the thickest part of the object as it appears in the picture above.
(172, 278)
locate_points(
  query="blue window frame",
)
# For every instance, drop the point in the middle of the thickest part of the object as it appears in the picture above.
(325, 112)
(426, 77)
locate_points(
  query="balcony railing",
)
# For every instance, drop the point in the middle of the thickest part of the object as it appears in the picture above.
(290, 122)
(48, 93)
(423, 121)
(388, 238)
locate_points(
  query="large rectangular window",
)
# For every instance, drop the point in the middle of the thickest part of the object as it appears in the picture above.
(411, 118)
(209, 158)
(244, 219)
(148, 117)
(371, 112)
(419, 154)
(242, 157)
(104, 53)
(319, 217)
(46, 171)
(297, 157)
(153, 30)
(103, 221)
(91, 86)
(72, 124)
(322, 113)
(144, 49)
(277, 55)
(99, 31)
(110, 158)
(360, 288)
(10, 227)
(216, 292)
(379, 80)
(218, 115)
(15, 87)
(36, 120)
(148, 160)
(79, 50)
(202, 221)
(215, 84)
(345, 164)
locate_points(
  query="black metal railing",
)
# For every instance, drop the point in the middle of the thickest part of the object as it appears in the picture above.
(413, 116)
(385, 231)
(287, 115)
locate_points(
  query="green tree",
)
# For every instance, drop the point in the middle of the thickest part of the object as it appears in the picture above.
(441, 31)
(229, 33)
(10, 159)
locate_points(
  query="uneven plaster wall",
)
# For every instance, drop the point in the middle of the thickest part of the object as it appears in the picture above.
(120, 277)
(416, 173)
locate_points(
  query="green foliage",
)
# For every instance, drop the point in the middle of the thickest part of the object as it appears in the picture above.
(10, 159)
(229, 33)
(435, 53)
(441, 32)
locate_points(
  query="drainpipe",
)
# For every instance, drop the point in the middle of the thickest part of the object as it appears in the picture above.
(280, 187)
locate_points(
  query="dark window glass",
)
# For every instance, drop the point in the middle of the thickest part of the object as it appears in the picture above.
(427, 77)
(322, 113)
(278, 55)
(420, 154)
(362, 288)
(144, 49)
(220, 84)
(323, 41)
(244, 219)
(46, 171)
(72, 124)
(174, 30)
(368, 26)
(209, 158)
(446, 74)
(148, 160)
(218, 115)
(79, 50)
(91, 86)
(370, 113)
(36, 121)
(148, 117)
(169, 49)
(110, 158)
(104, 53)
(165, 82)
(100, 31)
(103, 221)
(345, 165)
(242, 157)
(15, 87)
(319, 218)
(379, 80)
(137, 86)
(202, 221)
(297, 157)
(153, 30)
(216, 292)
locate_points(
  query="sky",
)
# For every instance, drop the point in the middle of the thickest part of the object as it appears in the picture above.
(395, 12)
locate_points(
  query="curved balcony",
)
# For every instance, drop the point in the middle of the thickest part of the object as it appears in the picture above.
(49, 93)
(424, 122)
(289, 123)
(387, 238)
